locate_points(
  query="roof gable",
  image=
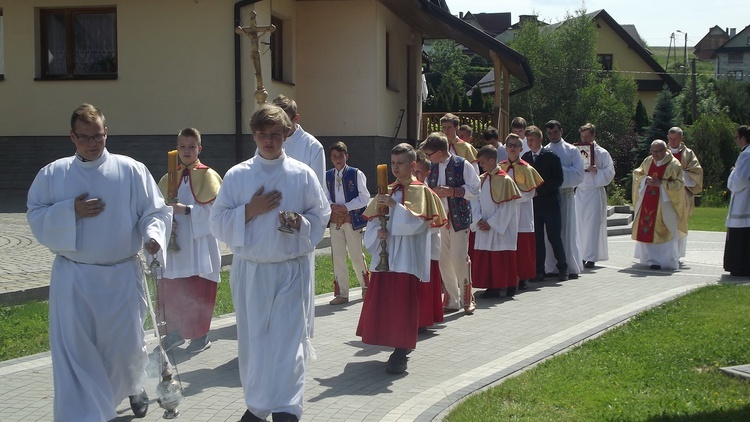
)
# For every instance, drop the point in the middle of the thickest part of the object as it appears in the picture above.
(738, 42)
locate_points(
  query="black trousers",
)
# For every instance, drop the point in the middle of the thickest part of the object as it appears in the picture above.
(549, 217)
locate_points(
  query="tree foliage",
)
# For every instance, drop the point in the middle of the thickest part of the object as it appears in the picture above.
(735, 96)
(712, 139)
(446, 76)
(570, 85)
(640, 120)
(662, 121)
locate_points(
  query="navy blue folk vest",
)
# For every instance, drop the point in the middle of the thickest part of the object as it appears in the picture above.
(459, 209)
(351, 191)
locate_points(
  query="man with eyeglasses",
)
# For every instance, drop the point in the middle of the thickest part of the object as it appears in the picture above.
(94, 211)
(659, 205)
(591, 201)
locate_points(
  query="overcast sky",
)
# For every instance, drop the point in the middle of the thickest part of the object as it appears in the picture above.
(655, 20)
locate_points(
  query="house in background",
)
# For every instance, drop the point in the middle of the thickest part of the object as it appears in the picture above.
(705, 48)
(154, 67)
(491, 23)
(732, 59)
(620, 48)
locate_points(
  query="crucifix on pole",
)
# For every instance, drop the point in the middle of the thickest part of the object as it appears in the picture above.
(254, 32)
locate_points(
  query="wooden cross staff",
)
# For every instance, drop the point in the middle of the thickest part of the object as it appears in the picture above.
(254, 32)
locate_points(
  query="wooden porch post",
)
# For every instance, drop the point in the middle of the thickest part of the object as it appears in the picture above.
(500, 115)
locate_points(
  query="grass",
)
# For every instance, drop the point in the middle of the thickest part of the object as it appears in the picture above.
(701, 67)
(708, 219)
(24, 329)
(663, 365)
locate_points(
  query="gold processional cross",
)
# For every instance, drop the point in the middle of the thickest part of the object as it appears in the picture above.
(254, 32)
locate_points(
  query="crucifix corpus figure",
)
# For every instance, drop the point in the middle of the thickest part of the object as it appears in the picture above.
(254, 32)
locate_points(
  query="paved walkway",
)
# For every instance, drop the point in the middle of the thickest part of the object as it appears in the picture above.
(452, 360)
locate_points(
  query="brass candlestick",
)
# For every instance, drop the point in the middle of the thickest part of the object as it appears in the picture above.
(383, 264)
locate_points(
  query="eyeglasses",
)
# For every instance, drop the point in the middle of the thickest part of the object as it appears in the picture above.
(657, 151)
(513, 145)
(429, 154)
(86, 138)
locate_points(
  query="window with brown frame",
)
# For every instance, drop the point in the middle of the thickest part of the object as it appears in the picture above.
(605, 60)
(78, 43)
(277, 49)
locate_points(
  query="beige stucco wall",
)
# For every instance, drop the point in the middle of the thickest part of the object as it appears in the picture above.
(627, 61)
(175, 69)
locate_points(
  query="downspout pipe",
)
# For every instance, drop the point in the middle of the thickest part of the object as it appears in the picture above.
(238, 80)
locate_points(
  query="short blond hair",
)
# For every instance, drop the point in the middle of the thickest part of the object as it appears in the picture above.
(270, 115)
(86, 113)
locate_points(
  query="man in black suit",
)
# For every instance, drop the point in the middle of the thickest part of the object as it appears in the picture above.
(546, 203)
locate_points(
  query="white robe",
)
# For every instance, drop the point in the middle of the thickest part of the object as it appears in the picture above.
(666, 254)
(591, 205)
(572, 166)
(304, 147)
(503, 221)
(271, 277)
(97, 299)
(408, 244)
(525, 209)
(199, 250)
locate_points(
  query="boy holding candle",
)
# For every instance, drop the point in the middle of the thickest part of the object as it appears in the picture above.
(390, 313)
(348, 195)
(187, 293)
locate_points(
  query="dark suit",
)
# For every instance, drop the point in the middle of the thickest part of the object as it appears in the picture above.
(547, 208)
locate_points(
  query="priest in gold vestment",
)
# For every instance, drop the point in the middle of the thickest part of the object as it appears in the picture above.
(659, 206)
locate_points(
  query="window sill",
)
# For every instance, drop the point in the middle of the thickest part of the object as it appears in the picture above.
(283, 82)
(78, 78)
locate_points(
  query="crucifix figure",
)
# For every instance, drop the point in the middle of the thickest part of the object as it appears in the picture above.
(254, 32)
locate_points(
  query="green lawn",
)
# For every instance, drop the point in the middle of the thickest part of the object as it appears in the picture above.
(663, 365)
(708, 219)
(24, 329)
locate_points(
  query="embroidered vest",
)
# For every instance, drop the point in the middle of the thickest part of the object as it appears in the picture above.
(459, 209)
(351, 191)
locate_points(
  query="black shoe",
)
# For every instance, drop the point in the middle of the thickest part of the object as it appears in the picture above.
(421, 330)
(490, 293)
(655, 267)
(523, 285)
(198, 345)
(539, 277)
(139, 404)
(283, 417)
(573, 276)
(563, 277)
(511, 291)
(397, 362)
(250, 417)
(172, 340)
(588, 264)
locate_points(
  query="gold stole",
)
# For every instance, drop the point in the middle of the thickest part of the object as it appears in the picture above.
(418, 198)
(204, 182)
(672, 182)
(525, 176)
(502, 188)
(465, 150)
